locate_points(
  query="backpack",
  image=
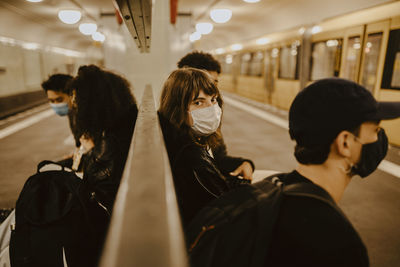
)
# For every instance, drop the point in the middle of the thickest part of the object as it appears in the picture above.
(236, 229)
(52, 222)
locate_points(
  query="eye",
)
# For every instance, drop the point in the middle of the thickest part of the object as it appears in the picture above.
(214, 100)
(197, 102)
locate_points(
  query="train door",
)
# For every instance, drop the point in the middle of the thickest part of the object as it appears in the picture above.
(389, 88)
(373, 55)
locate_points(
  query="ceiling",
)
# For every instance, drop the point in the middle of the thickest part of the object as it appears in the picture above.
(38, 22)
(267, 16)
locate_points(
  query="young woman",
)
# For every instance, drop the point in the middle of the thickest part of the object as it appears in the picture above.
(105, 112)
(190, 116)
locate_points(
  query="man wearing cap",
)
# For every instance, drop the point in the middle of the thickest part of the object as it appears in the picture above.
(335, 124)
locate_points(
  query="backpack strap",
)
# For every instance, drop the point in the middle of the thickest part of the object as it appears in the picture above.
(310, 190)
(48, 162)
(268, 212)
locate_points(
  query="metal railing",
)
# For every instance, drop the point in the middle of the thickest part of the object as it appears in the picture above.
(145, 228)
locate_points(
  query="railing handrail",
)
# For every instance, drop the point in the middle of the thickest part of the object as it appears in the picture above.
(145, 228)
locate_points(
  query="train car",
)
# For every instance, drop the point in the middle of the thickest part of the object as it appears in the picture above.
(360, 46)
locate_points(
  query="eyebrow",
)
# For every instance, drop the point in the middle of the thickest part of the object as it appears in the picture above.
(203, 98)
(55, 98)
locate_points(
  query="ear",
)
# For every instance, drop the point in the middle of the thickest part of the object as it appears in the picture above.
(342, 144)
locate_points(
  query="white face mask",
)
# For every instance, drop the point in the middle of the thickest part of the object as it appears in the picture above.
(206, 120)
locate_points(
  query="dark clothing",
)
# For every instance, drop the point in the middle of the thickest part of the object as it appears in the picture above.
(73, 127)
(309, 232)
(103, 165)
(198, 177)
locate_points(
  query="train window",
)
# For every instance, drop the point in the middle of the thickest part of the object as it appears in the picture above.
(288, 61)
(391, 72)
(256, 65)
(371, 57)
(325, 61)
(352, 58)
(396, 72)
(245, 63)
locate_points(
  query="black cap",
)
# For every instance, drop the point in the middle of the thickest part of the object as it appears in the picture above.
(328, 106)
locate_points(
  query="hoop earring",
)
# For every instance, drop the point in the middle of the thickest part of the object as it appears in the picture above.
(348, 170)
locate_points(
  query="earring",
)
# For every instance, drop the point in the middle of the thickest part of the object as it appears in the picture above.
(349, 168)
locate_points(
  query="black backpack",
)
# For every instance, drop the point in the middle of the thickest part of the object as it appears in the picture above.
(52, 223)
(236, 229)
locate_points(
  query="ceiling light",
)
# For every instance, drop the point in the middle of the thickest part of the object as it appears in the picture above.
(219, 51)
(34, 1)
(251, 1)
(316, 29)
(69, 16)
(204, 28)
(31, 46)
(221, 15)
(87, 28)
(236, 47)
(194, 36)
(99, 37)
(262, 41)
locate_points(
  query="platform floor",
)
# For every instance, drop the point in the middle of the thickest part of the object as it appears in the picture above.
(371, 204)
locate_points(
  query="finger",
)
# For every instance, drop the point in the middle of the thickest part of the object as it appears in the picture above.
(236, 172)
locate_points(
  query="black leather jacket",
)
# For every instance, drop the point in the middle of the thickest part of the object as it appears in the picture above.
(103, 165)
(198, 177)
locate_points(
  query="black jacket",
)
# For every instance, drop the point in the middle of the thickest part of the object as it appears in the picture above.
(103, 165)
(198, 177)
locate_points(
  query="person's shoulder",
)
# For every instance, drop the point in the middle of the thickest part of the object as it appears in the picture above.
(321, 221)
(318, 234)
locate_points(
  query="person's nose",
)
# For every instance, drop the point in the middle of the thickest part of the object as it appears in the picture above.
(209, 103)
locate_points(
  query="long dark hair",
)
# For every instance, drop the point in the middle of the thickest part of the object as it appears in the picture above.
(99, 99)
(179, 90)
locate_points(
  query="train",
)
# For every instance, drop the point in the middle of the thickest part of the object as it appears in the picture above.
(362, 46)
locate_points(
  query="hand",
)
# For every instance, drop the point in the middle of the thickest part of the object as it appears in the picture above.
(244, 170)
(87, 143)
(70, 155)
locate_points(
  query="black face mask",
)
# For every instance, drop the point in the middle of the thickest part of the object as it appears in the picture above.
(371, 155)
